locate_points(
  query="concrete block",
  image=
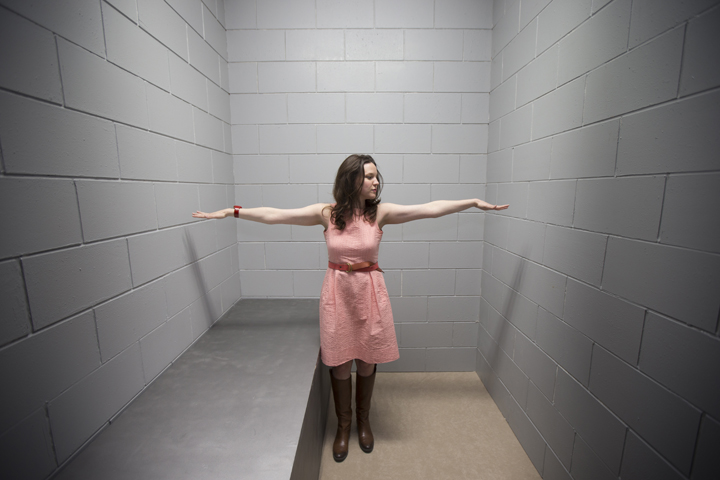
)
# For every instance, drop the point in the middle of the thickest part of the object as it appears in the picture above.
(53, 206)
(256, 45)
(316, 108)
(609, 321)
(163, 23)
(513, 378)
(409, 309)
(314, 45)
(516, 128)
(557, 19)
(391, 166)
(190, 11)
(95, 86)
(145, 156)
(227, 138)
(529, 9)
(471, 226)
(537, 77)
(55, 359)
(552, 468)
(465, 335)
(409, 195)
(426, 335)
(706, 465)
(194, 163)
(240, 15)
(314, 168)
(67, 281)
(454, 309)
(598, 4)
(499, 166)
(467, 282)
(677, 137)
(215, 269)
(592, 421)
(496, 293)
(286, 14)
(293, 256)
(515, 194)
(701, 70)
(188, 83)
(308, 283)
(411, 360)
(374, 107)
(219, 102)
(506, 25)
(568, 347)
(134, 50)
(182, 287)
(62, 142)
(641, 461)
(541, 370)
(404, 14)
(373, 45)
(81, 25)
(520, 51)
(645, 76)
(428, 282)
(286, 77)
(496, 71)
(558, 434)
(344, 138)
(647, 21)
(169, 115)
(164, 344)
(496, 230)
(552, 202)
(494, 136)
(199, 240)
(255, 169)
(631, 207)
(599, 39)
(230, 291)
(348, 77)
(559, 110)
(433, 108)
(682, 359)
(576, 253)
(255, 283)
(345, 14)
(242, 77)
(251, 256)
(27, 450)
(463, 14)
(155, 254)
(475, 108)
(214, 33)
(587, 464)
(431, 169)
(203, 57)
(456, 255)
(404, 77)
(287, 138)
(686, 226)
(129, 204)
(259, 108)
(403, 138)
(526, 239)
(434, 45)
(459, 191)
(226, 233)
(461, 76)
(81, 410)
(175, 202)
(404, 255)
(212, 197)
(502, 99)
(13, 307)
(527, 434)
(665, 420)
(638, 271)
(31, 63)
(472, 168)
(531, 161)
(455, 359)
(209, 131)
(585, 152)
(289, 196)
(459, 138)
(477, 45)
(259, 232)
(245, 139)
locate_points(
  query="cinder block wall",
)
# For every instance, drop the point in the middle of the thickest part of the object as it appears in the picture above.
(114, 127)
(313, 81)
(600, 286)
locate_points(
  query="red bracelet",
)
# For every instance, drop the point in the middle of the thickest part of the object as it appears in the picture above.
(237, 211)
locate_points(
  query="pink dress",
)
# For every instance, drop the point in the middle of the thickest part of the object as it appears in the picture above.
(355, 316)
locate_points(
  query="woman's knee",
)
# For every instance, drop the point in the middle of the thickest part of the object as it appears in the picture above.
(363, 368)
(342, 371)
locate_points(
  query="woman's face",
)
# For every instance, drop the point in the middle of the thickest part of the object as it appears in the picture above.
(370, 183)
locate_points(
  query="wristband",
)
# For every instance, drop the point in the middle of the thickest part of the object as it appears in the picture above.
(236, 213)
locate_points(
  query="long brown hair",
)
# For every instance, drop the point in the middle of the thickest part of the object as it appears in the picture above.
(347, 188)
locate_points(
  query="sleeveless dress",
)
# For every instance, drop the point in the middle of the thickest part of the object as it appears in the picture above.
(355, 316)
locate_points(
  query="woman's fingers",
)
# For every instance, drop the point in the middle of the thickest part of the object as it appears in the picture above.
(501, 207)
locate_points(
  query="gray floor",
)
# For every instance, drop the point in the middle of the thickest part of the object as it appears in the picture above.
(231, 407)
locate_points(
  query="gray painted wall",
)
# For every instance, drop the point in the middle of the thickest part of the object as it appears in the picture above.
(114, 127)
(599, 315)
(312, 81)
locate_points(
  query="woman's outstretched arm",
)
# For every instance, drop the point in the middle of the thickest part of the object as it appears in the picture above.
(390, 213)
(310, 215)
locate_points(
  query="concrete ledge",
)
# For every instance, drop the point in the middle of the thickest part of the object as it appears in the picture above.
(248, 400)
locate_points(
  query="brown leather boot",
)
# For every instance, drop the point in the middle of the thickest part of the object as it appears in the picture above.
(363, 395)
(342, 394)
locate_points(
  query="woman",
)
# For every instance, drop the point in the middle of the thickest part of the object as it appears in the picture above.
(356, 321)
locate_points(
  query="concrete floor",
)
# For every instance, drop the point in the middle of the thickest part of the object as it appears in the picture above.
(430, 426)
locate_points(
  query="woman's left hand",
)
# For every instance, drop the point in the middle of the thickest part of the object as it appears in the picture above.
(482, 205)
